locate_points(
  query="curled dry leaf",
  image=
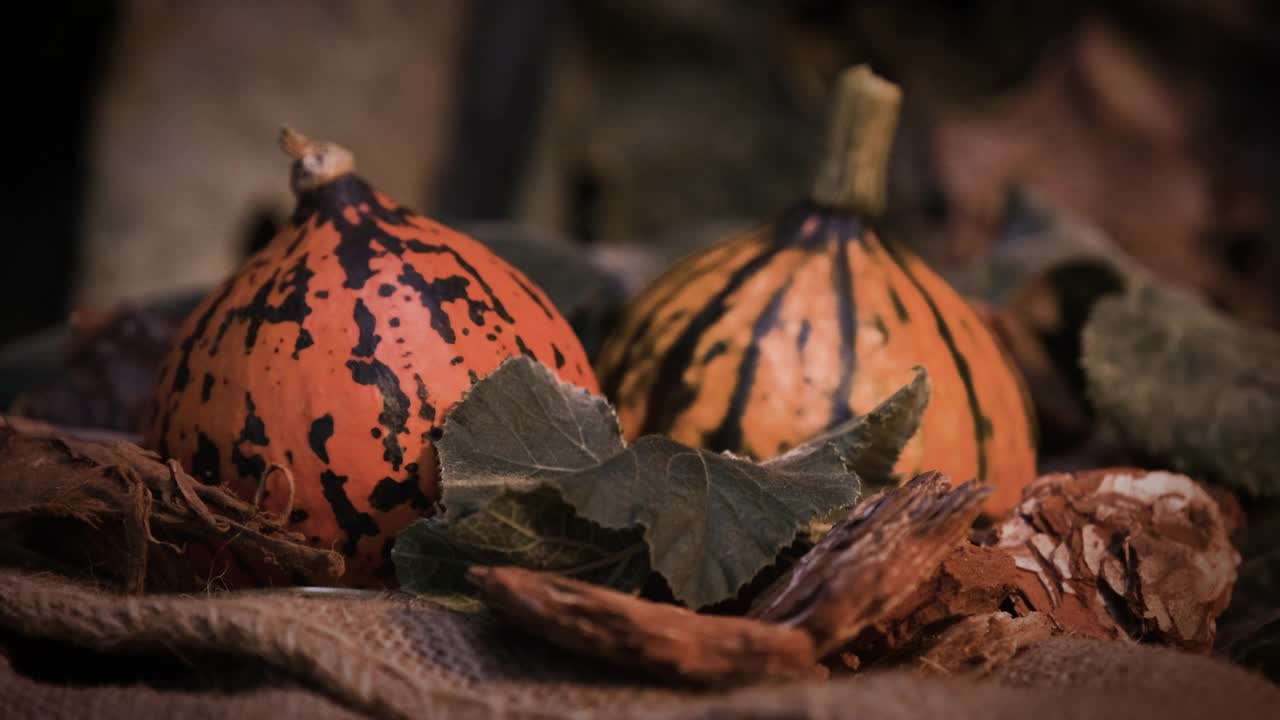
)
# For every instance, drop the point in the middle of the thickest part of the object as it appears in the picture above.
(105, 372)
(115, 511)
(1188, 386)
(664, 639)
(872, 561)
(1122, 552)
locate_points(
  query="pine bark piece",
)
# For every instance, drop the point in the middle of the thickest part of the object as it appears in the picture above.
(664, 639)
(1124, 553)
(978, 643)
(872, 561)
(971, 581)
(128, 514)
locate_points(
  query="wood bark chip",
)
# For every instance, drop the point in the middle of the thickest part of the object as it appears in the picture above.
(971, 581)
(116, 512)
(664, 639)
(1159, 534)
(978, 643)
(1124, 553)
(872, 561)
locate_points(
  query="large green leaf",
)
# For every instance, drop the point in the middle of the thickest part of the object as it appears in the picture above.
(518, 427)
(532, 529)
(871, 444)
(535, 473)
(711, 521)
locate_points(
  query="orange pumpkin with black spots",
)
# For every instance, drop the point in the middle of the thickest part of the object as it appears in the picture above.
(337, 352)
(763, 341)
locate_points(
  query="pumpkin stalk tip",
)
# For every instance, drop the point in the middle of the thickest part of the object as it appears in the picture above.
(863, 117)
(314, 163)
(293, 143)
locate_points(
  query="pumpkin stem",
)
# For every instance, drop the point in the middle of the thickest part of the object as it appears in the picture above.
(853, 172)
(315, 163)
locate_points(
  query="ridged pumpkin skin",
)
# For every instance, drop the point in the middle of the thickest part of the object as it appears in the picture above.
(763, 341)
(337, 352)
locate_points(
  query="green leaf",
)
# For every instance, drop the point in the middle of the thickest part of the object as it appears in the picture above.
(534, 529)
(871, 444)
(518, 427)
(1188, 387)
(711, 521)
(523, 449)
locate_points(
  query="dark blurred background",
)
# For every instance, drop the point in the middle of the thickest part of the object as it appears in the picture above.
(145, 158)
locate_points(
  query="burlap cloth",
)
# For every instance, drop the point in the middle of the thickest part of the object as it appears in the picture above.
(392, 656)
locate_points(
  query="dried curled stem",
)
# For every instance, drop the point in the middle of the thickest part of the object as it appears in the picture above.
(261, 493)
(316, 163)
(295, 144)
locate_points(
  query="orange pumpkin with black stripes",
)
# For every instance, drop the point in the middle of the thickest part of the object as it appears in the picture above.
(763, 341)
(336, 352)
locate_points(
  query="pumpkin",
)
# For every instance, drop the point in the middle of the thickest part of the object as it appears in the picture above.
(765, 340)
(336, 352)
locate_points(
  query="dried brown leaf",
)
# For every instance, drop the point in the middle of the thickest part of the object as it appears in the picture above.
(103, 373)
(1189, 387)
(664, 639)
(872, 561)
